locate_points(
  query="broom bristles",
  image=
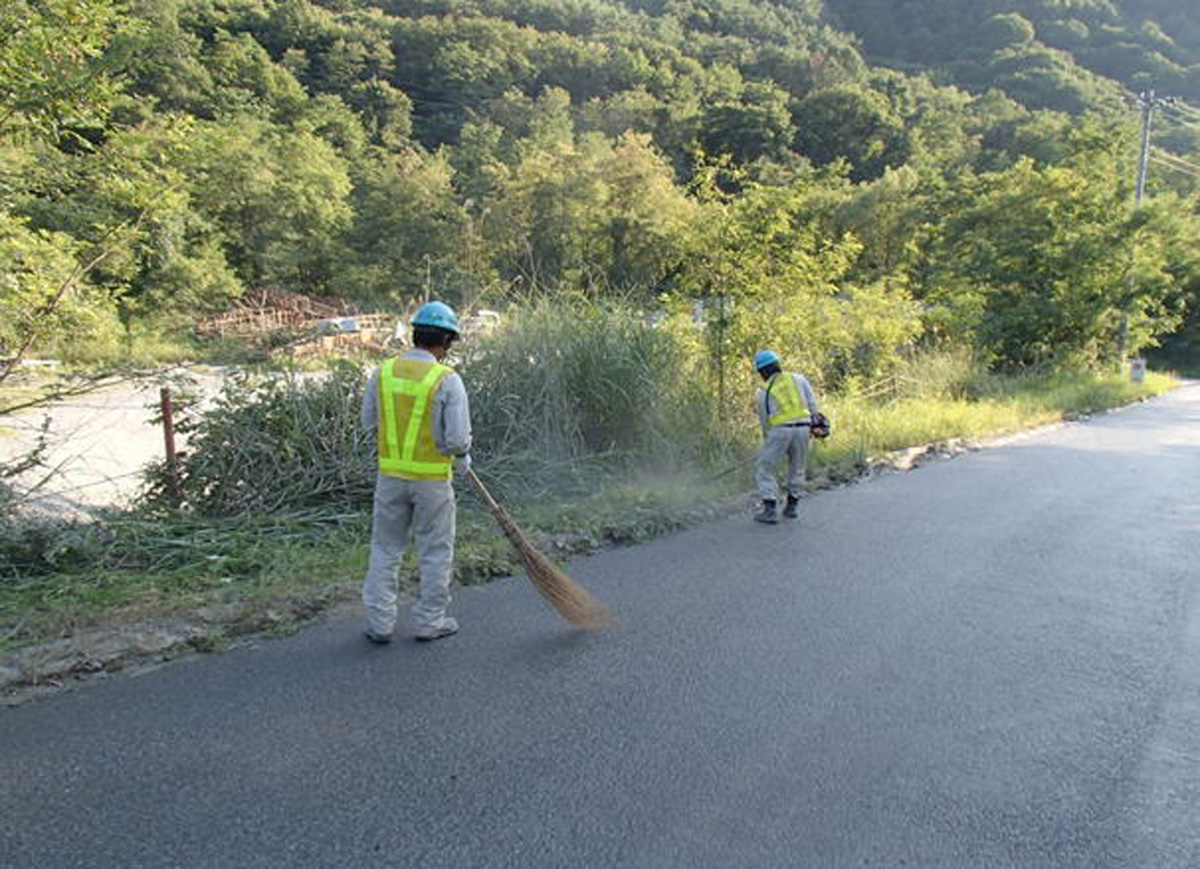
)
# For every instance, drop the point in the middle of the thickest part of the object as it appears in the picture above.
(571, 600)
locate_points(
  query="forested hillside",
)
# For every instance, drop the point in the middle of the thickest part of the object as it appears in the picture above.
(868, 175)
(1070, 55)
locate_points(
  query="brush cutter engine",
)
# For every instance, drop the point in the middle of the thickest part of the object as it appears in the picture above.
(819, 427)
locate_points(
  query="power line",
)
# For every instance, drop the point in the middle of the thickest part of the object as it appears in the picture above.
(1171, 155)
(1175, 110)
(1182, 107)
(1167, 165)
(1165, 158)
(1178, 118)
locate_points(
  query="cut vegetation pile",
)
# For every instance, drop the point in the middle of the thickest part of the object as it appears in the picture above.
(277, 443)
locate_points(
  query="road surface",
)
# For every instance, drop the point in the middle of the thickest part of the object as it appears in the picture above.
(992, 661)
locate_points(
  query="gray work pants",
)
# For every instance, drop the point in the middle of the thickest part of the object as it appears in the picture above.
(791, 441)
(424, 508)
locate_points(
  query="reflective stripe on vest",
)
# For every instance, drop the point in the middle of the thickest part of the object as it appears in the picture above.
(789, 406)
(407, 448)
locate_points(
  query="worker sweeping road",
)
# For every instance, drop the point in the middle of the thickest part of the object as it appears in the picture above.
(787, 408)
(419, 408)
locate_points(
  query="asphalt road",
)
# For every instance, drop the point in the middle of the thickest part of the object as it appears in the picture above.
(990, 661)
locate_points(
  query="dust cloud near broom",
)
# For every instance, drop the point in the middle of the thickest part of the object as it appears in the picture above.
(569, 598)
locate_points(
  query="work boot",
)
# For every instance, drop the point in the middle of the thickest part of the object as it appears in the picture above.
(789, 512)
(446, 628)
(767, 514)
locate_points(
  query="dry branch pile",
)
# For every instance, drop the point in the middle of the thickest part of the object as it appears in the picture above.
(299, 325)
(271, 309)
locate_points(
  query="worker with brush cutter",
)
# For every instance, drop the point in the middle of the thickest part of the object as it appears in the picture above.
(787, 408)
(418, 407)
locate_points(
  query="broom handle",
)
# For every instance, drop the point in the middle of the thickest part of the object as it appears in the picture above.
(483, 492)
(493, 506)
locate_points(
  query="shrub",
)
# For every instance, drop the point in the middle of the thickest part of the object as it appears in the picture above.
(563, 385)
(559, 393)
(275, 443)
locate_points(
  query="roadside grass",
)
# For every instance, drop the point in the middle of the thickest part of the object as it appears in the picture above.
(270, 574)
(155, 348)
(134, 568)
(864, 428)
(140, 350)
(252, 574)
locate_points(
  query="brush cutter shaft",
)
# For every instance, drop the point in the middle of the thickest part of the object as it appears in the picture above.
(740, 464)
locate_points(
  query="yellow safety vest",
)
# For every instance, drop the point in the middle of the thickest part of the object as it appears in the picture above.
(407, 448)
(790, 407)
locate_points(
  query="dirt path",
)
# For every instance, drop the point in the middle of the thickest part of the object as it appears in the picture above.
(98, 445)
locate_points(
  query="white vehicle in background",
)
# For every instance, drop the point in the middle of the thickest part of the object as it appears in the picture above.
(481, 322)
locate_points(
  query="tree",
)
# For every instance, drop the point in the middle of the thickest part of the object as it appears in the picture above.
(56, 87)
(386, 110)
(766, 274)
(409, 235)
(43, 292)
(885, 216)
(1007, 31)
(853, 124)
(53, 69)
(646, 216)
(1037, 261)
(547, 216)
(280, 198)
(127, 209)
(247, 80)
(748, 125)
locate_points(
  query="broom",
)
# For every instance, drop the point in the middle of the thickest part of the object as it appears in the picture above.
(563, 593)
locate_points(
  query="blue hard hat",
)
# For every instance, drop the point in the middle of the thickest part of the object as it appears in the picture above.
(763, 358)
(436, 314)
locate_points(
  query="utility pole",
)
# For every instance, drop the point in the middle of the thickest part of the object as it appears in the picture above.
(1147, 102)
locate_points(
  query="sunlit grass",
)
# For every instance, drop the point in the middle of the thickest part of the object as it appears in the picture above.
(298, 565)
(865, 428)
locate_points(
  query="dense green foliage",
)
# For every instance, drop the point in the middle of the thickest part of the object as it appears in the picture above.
(160, 157)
